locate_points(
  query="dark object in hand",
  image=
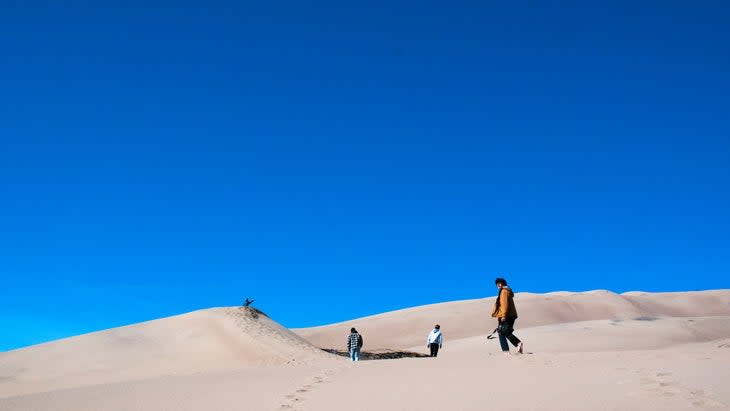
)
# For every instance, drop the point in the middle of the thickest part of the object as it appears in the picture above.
(504, 329)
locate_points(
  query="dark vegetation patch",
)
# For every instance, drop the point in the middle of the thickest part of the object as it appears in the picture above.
(646, 318)
(381, 355)
(252, 312)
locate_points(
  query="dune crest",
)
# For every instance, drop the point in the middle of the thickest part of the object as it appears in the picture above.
(584, 350)
(206, 340)
(469, 318)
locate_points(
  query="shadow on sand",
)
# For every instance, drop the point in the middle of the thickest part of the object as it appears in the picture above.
(380, 355)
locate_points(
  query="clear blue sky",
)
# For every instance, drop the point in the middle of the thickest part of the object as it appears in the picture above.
(334, 159)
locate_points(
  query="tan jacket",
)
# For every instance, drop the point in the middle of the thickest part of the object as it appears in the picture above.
(504, 306)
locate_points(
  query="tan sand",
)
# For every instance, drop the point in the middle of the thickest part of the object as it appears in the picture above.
(677, 378)
(461, 319)
(594, 350)
(213, 340)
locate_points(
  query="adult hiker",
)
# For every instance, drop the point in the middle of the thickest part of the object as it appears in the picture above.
(435, 340)
(506, 314)
(354, 343)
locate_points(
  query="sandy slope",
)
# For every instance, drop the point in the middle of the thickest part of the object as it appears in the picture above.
(675, 378)
(594, 350)
(216, 339)
(461, 319)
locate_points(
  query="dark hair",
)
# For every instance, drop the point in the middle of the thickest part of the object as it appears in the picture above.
(353, 330)
(500, 280)
(438, 327)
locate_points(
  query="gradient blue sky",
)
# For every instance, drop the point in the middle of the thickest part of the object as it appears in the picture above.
(334, 159)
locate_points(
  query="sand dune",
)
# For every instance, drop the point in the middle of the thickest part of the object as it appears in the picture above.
(592, 350)
(201, 341)
(606, 335)
(679, 377)
(462, 319)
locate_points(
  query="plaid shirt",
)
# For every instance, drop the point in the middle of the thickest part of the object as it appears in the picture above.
(354, 340)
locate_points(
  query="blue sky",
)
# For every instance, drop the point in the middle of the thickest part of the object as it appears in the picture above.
(334, 160)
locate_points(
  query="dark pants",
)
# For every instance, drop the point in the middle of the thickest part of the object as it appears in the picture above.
(434, 349)
(511, 337)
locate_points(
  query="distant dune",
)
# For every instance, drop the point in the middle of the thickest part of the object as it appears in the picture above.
(587, 350)
(462, 319)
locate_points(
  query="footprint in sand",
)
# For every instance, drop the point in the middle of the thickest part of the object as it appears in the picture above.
(297, 397)
(293, 400)
(320, 380)
(699, 398)
(662, 385)
(659, 385)
(663, 390)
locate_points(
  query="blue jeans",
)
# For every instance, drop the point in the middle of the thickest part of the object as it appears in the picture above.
(355, 354)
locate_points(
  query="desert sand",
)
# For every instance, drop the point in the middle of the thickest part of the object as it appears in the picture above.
(589, 350)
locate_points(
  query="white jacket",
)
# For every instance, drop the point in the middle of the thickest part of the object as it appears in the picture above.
(435, 337)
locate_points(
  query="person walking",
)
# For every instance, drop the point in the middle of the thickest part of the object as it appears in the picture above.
(506, 314)
(354, 344)
(435, 340)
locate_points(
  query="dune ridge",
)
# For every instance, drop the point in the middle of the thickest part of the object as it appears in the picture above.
(586, 350)
(468, 318)
(215, 339)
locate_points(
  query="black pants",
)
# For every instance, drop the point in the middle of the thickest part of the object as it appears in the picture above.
(434, 349)
(511, 337)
